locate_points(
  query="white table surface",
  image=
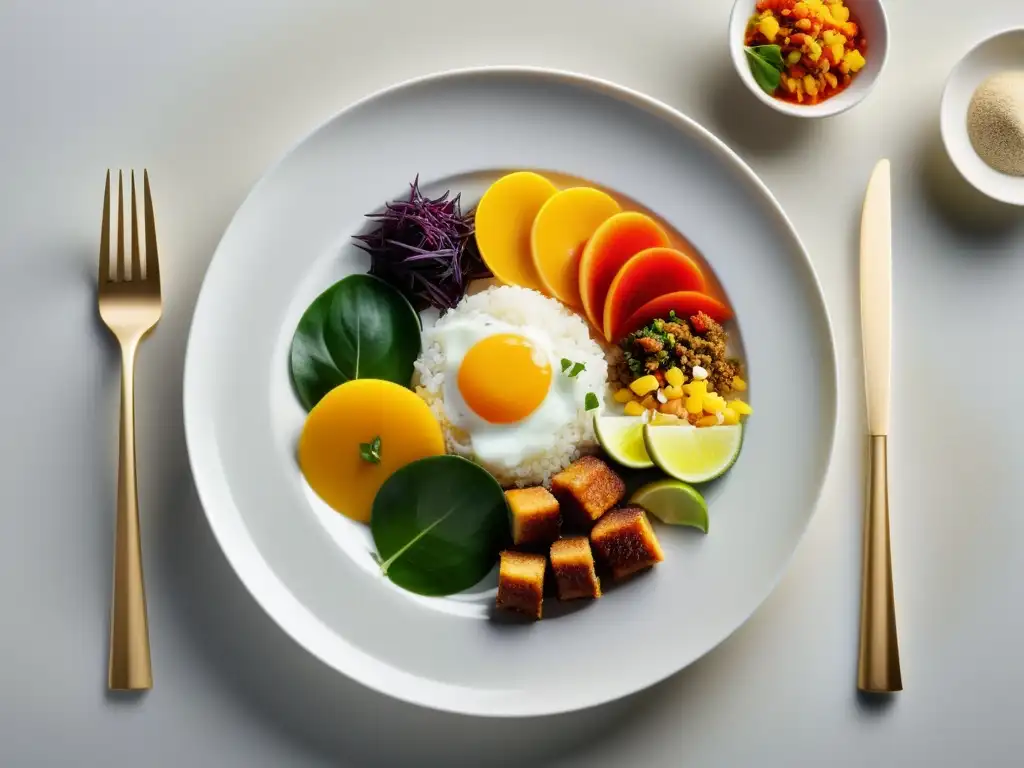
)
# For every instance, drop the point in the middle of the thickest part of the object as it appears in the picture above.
(207, 94)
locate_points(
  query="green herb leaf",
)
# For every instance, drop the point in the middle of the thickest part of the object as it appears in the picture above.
(566, 364)
(370, 451)
(359, 328)
(577, 369)
(590, 402)
(439, 524)
(766, 65)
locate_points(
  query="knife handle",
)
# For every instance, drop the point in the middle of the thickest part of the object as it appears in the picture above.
(878, 668)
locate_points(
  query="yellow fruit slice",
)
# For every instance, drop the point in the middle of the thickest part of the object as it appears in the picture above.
(350, 416)
(560, 232)
(504, 219)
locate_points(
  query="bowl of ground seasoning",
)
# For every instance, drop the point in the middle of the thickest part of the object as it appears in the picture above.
(982, 116)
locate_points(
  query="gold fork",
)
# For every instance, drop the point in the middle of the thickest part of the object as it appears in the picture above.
(130, 306)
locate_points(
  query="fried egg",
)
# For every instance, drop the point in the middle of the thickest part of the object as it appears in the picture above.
(505, 389)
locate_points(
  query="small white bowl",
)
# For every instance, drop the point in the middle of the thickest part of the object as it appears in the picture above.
(869, 14)
(1002, 51)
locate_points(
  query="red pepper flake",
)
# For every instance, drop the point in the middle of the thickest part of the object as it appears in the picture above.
(698, 324)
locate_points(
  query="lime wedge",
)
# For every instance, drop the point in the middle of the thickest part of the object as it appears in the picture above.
(694, 454)
(622, 438)
(673, 502)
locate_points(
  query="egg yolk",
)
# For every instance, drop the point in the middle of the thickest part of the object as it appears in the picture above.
(503, 379)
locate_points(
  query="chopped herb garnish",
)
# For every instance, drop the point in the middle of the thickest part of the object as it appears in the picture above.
(370, 451)
(590, 402)
(573, 369)
(425, 248)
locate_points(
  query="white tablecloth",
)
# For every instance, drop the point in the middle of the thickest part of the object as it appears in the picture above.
(206, 94)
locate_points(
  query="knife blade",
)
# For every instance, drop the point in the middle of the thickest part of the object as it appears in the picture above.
(876, 296)
(878, 665)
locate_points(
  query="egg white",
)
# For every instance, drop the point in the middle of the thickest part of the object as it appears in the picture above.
(506, 445)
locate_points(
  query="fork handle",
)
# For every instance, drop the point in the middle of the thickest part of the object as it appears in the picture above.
(878, 667)
(129, 665)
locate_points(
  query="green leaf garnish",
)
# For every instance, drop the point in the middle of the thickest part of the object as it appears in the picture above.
(566, 364)
(439, 524)
(577, 369)
(359, 328)
(766, 65)
(370, 451)
(590, 402)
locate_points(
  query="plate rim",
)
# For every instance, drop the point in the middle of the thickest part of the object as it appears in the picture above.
(432, 694)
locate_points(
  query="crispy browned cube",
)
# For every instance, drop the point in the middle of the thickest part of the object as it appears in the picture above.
(573, 564)
(587, 489)
(521, 583)
(536, 520)
(625, 542)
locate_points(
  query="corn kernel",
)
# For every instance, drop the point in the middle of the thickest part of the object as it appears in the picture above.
(673, 393)
(739, 384)
(675, 377)
(854, 60)
(730, 417)
(804, 24)
(695, 404)
(742, 408)
(633, 408)
(644, 385)
(707, 421)
(810, 85)
(714, 404)
(624, 395)
(840, 12)
(699, 388)
(769, 27)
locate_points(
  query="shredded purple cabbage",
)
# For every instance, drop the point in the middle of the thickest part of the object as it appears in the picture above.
(425, 248)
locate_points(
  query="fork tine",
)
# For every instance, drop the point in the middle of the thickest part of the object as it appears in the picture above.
(152, 260)
(136, 267)
(119, 267)
(104, 275)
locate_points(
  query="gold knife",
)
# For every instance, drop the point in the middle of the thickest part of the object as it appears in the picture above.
(878, 667)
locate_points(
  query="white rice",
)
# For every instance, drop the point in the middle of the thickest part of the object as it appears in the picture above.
(569, 334)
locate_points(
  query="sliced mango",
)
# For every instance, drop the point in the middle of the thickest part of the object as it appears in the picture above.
(353, 414)
(504, 219)
(562, 228)
(615, 242)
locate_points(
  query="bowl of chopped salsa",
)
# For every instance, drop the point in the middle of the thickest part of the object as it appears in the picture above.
(809, 58)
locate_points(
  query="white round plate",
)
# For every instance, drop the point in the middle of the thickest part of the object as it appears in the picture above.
(311, 569)
(1000, 52)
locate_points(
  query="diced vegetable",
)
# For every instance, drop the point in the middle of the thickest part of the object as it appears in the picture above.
(674, 376)
(633, 408)
(821, 46)
(644, 385)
